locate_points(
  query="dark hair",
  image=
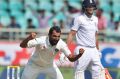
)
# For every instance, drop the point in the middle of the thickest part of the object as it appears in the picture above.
(12, 17)
(56, 28)
(29, 20)
(100, 9)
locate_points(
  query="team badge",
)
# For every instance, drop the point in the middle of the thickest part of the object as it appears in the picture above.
(56, 50)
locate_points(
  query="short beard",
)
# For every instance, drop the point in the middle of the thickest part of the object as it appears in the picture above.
(89, 14)
(53, 42)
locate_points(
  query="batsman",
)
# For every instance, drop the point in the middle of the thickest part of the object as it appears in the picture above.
(84, 28)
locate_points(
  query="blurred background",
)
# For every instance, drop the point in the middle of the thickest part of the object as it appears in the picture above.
(20, 17)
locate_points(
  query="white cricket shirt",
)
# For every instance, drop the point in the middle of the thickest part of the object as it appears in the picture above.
(44, 52)
(86, 29)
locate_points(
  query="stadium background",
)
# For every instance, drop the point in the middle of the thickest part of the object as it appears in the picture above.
(10, 37)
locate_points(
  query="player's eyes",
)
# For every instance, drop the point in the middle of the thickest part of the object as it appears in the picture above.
(56, 36)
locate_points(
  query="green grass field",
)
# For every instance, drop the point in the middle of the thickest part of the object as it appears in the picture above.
(67, 72)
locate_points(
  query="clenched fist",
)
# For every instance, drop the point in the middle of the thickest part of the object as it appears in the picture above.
(32, 35)
(81, 51)
(23, 44)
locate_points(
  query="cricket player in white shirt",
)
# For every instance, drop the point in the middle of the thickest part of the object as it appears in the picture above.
(84, 27)
(42, 61)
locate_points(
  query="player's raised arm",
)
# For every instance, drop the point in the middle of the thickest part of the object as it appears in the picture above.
(73, 58)
(23, 44)
(68, 54)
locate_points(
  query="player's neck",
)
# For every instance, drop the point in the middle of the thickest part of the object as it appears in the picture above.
(88, 15)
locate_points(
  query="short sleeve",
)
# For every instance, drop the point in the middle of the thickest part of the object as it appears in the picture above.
(75, 24)
(34, 42)
(66, 51)
(64, 48)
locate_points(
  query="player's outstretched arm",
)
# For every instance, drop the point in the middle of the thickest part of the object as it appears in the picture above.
(73, 58)
(23, 44)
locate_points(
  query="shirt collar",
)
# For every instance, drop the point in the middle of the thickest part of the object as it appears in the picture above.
(91, 19)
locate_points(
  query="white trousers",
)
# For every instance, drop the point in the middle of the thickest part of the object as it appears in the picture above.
(31, 71)
(89, 60)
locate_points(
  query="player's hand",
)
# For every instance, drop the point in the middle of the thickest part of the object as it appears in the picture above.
(81, 51)
(32, 36)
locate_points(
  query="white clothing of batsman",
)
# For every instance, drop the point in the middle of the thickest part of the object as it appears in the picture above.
(84, 27)
(42, 60)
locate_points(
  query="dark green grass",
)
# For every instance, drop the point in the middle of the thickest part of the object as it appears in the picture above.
(67, 72)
